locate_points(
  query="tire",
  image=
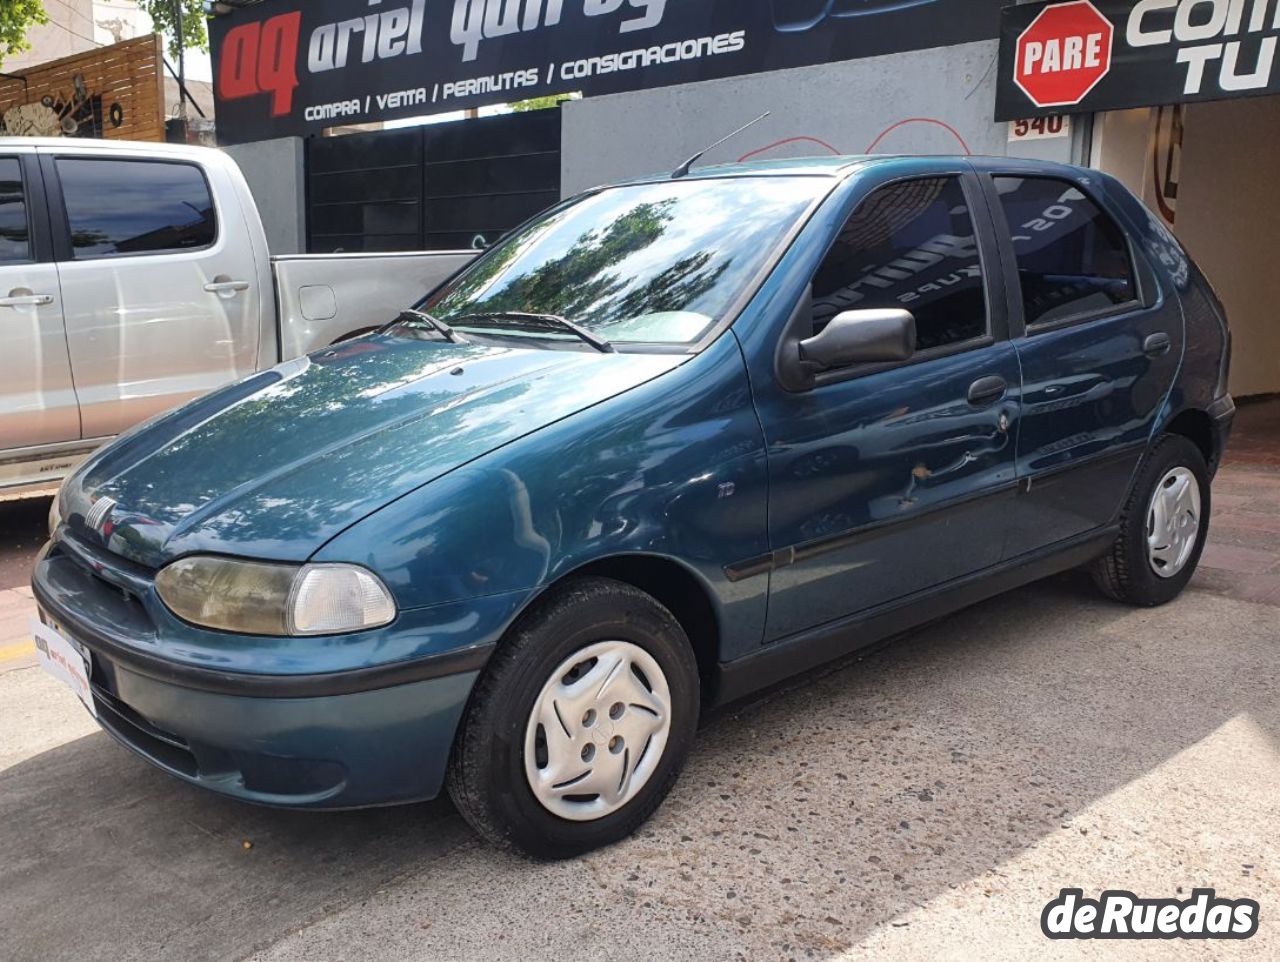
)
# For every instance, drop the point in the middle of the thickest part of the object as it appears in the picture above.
(1128, 572)
(502, 752)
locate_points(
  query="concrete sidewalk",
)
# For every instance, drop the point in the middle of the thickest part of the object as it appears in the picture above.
(16, 649)
(923, 804)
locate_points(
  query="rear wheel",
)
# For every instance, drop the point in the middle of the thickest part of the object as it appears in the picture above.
(580, 724)
(1163, 527)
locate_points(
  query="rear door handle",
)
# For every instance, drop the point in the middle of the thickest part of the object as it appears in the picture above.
(27, 300)
(1157, 345)
(987, 390)
(227, 287)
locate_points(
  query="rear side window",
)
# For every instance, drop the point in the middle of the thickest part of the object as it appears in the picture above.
(121, 207)
(1073, 260)
(15, 237)
(909, 245)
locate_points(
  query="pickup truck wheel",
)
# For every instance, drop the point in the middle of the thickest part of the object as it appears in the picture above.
(580, 723)
(1162, 529)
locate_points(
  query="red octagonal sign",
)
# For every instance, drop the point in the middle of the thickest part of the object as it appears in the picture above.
(1063, 54)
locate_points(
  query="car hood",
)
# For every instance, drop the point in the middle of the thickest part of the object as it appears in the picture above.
(278, 464)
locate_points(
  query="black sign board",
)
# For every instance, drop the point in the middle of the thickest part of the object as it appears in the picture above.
(1089, 55)
(298, 66)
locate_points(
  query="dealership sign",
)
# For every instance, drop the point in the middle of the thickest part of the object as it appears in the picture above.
(1088, 55)
(298, 66)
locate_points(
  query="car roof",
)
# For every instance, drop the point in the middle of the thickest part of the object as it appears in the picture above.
(843, 166)
(123, 148)
(832, 167)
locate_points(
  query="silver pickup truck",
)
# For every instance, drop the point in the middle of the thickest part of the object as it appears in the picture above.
(134, 277)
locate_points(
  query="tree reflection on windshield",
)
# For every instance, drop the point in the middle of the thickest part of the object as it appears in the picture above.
(648, 263)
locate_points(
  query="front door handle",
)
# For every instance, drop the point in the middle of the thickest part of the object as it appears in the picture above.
(226, 287)
(987, 390)
(22, 297)
(1157, 345)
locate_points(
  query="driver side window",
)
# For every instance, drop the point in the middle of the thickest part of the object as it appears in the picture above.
(909, 245)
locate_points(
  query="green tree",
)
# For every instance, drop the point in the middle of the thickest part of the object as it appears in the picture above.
(581, 284)
(164, 14)
(16, 18)
(542, 103)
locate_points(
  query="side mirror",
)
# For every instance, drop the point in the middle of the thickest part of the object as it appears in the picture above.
(861, 337)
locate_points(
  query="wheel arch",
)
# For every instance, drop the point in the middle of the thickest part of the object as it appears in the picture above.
(677, 588)
(1197, 427)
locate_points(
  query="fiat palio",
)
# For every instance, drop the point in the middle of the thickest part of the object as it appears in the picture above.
(669, 443)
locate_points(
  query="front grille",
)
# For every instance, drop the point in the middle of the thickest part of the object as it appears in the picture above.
(108, 591)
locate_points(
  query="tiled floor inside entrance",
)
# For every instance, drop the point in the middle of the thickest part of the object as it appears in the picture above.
(1242, 559)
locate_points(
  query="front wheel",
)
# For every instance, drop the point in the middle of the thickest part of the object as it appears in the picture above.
(1162, 529)
(580, 723)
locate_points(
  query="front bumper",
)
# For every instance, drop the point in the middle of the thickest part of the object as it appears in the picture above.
(358, 733)
(339, 751)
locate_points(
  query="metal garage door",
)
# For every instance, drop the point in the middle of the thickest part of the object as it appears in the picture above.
(436, 187)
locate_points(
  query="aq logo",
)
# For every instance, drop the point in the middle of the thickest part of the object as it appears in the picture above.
(262, 58)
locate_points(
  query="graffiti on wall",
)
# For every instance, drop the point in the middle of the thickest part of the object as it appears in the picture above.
(77, 112)
(805, 144)
(114, 92)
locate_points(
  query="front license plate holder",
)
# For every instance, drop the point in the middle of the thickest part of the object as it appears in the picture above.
(65, 660)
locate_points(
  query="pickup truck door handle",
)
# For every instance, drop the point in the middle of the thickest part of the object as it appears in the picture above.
(21, 297)
(987, 390)
(1157, 345)
(227, 287)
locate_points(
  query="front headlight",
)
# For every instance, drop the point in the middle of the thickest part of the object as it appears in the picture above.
(255, 598)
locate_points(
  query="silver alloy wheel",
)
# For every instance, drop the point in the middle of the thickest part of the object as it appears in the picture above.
(597, 731)
(1173, 522)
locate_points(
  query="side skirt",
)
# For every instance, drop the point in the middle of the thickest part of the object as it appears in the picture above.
(810, 649)
(36, 470)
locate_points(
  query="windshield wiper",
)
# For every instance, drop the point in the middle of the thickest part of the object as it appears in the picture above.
(440, 327)
(535, 322)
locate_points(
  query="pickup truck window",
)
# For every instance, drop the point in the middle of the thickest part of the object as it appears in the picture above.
(645, 264)
(15, 240)
(1073, 260)
(130, 207)
(912, 245)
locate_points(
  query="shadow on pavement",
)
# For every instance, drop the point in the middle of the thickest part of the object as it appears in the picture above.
(803, 821)
(102, 856)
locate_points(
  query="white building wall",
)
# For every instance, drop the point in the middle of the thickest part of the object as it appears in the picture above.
(78, 25)
(117, 20)
(70, 31)
(938, 101)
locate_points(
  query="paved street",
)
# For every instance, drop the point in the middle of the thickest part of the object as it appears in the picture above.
(922, 804)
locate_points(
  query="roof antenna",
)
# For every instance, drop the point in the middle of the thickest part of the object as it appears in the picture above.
(683, 169)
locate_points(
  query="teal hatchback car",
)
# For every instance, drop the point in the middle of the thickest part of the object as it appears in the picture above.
(669, 443)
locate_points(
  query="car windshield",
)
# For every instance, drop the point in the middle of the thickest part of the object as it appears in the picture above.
(646, 264)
